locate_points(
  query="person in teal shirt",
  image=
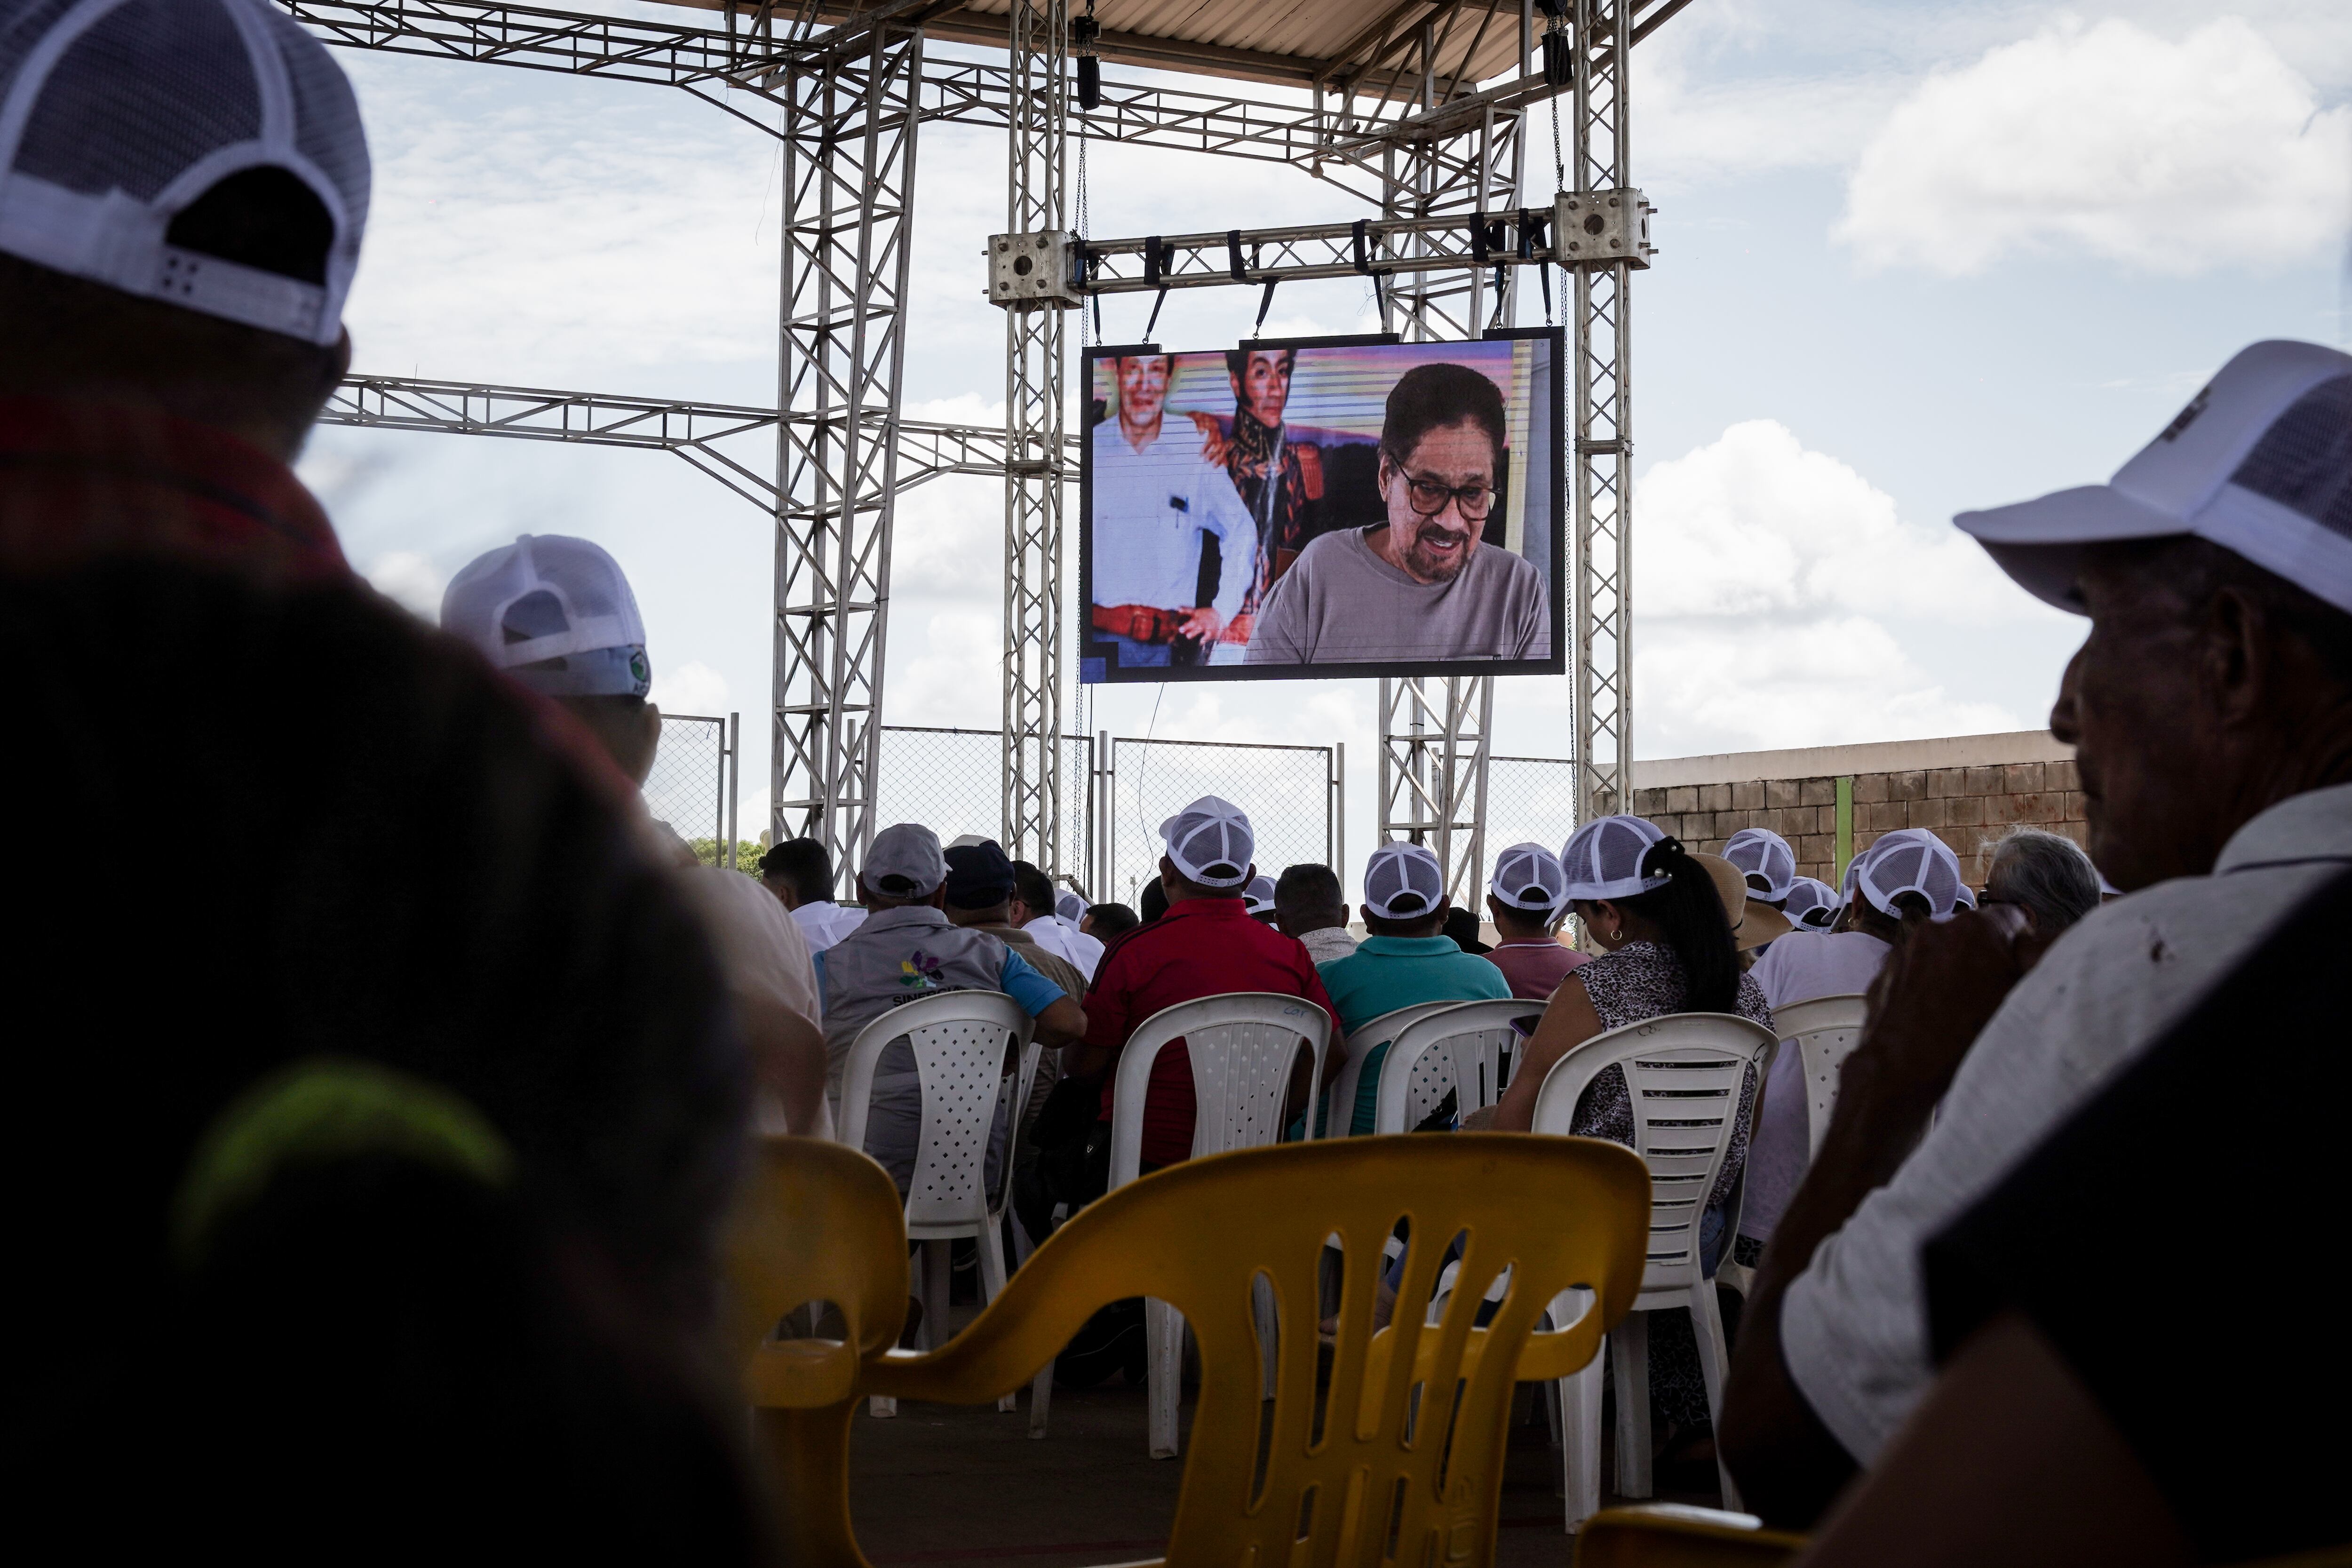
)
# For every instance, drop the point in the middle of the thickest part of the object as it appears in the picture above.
(1402, 961)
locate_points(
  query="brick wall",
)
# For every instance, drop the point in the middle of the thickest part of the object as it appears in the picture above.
(1966, 807)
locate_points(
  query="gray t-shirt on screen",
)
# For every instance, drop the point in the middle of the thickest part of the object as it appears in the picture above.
(1342, 603)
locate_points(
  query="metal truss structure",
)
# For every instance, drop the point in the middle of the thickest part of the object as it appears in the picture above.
(1035, 383)
(1392, 115)
(708, 436)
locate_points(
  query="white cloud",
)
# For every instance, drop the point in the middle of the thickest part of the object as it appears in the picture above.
(692, 688)
(409, 580)
(2170, 157)
(1768, 579)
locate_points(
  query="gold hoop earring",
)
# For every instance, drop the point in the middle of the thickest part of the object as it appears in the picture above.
(1616, 934)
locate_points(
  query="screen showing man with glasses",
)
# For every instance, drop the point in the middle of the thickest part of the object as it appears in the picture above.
(1406, 501)
(1424, 584)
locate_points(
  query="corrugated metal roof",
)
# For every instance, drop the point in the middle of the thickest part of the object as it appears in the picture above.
(1297, 41)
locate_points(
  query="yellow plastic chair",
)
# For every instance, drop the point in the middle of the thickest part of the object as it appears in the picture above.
(1673, 1535)
(815, 1222)
(1402, 1461)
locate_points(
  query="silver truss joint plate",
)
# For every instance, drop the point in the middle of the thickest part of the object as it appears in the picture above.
(1601, 228)
(1029, 270)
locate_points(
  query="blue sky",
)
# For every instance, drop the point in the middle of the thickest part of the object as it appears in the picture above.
(1914, 257)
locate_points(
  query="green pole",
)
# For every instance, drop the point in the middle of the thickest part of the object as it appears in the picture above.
(1843, 848)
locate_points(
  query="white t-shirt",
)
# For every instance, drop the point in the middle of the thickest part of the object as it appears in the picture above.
(825, 923)
(761, 951)
(1853, 1326)
(1065, 940)
(1796, 968)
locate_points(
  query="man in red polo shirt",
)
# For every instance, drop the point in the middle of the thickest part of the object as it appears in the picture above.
(1205, 945)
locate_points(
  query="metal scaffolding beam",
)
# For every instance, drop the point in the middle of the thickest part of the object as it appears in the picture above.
(1600, 381)
(700, 433)
(849, 135)
(737, 69)
(1035, 376)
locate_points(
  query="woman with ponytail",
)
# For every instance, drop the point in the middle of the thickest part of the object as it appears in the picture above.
(1666, 947)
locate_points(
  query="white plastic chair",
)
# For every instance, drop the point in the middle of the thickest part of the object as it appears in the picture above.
(960, 1039)
(1457, 1048)
(1824, 1031)
(1359, 1044)
(1242, 1046)
(1683, 1074)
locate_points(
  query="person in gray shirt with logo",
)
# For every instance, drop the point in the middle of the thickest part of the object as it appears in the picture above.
(907, 949)
(1424, 585)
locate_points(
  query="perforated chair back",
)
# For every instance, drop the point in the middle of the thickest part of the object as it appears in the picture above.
(1395, 1454)
(1361, 1043)
(961, 1040)
(1826, 1029)
(1683, 1074)
(1242, 1046)
(1458, 1049)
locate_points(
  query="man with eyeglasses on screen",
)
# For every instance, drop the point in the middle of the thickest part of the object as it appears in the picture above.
(1155, 499)
(1424, 585)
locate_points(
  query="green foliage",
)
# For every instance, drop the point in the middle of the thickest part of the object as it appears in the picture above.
(711, 852)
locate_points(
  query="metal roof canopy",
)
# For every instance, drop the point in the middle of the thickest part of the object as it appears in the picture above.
(1332, 44)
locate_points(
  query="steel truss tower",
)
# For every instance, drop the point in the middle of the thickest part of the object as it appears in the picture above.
(1601, 384)
(1034, 385)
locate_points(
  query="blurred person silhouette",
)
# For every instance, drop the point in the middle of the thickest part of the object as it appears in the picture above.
(1036, 909)
(413, 1098)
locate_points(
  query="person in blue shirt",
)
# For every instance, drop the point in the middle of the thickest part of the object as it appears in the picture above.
(1404, 959)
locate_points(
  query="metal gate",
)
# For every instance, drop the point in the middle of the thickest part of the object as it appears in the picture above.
(696, 775)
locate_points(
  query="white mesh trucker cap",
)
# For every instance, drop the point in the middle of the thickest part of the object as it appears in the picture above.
(1211, 843)
(2259, 463)
(1528, 877)
(1910, 860)
(1765, 860)
(1070, 905)
(1258, 896)
(1603, 858)
(905, 861)
(1813, 904)
(1403, 882)
(556, 614)
(115, 115)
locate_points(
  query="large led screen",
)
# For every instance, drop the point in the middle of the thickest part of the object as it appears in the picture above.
(1320, 508)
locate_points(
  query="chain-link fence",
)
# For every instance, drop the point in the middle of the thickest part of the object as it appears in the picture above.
(1529, 800)
(953, 781)
(695, 780)
(1293, 796)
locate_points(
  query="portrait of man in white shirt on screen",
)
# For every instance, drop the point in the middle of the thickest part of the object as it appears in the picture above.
(1155, 497)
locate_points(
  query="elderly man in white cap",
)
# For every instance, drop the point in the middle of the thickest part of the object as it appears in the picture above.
(1528, 900)
(1403, 959)
(2210, 710)
(909, 948)
(1206, 944)
(557, 615)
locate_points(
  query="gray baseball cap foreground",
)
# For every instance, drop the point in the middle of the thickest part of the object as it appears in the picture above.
(2259, 463)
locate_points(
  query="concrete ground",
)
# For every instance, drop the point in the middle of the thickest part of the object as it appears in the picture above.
(945, 1485)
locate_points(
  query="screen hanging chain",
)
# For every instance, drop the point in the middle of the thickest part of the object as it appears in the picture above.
(1560, 183)
(1087, 331)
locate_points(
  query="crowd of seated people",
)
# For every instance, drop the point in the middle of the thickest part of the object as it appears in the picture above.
(435, 1040)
